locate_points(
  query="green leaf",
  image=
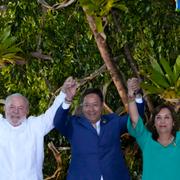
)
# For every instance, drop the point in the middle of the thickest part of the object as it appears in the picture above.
(8, 42)
(178, 84)
(156, 66)
(5, 34)
(99, 24)
(158, 79)
(106, 8)
(176, 68)
(9, 55)
(121, 7)
(167, 68)
(151, 89)
(12, 49)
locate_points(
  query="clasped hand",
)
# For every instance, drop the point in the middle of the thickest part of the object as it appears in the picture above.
(69, 88)
(133, 86)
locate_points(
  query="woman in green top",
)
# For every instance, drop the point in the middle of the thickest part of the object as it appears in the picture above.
(159, 142)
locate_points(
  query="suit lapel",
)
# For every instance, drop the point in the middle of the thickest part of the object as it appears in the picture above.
(85, 122)
(103, 125)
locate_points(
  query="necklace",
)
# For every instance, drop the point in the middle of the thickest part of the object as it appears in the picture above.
(167, 142)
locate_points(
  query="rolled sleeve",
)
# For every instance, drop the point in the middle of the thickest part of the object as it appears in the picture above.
(65, 105)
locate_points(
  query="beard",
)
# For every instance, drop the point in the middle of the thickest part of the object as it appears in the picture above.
(15, 123)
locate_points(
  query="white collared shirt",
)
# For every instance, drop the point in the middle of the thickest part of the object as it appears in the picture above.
(22, 147)
(98, 127)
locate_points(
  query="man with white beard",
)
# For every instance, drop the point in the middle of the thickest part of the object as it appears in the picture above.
(22, 138)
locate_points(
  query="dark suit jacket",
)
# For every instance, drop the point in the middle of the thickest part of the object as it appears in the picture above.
(94, 155)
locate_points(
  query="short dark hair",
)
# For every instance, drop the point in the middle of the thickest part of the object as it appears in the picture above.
(151, 122)
(96, 91)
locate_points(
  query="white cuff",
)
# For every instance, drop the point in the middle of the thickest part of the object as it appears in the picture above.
(62, 94)
(65, 105)
(139, 100)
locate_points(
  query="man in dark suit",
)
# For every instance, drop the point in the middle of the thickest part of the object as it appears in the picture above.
(94, 138)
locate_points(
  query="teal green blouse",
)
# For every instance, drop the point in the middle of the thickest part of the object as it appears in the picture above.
(159, 162)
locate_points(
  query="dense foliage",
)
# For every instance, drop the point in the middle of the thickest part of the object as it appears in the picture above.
(55, 44)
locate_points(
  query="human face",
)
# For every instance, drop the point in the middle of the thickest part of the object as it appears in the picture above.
(92, 107)
(164, 121)
(16, 110)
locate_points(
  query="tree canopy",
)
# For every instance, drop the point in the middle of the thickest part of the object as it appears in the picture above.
(101, 43)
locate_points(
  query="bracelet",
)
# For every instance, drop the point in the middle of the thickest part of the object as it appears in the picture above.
(131, 98)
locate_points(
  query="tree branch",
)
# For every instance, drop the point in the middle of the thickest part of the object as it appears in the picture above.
(57, 5)
(58, 158)
(83, 81)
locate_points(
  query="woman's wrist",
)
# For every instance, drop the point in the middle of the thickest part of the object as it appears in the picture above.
(131, 98)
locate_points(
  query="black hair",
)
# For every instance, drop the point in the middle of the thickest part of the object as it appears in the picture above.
(96, 91)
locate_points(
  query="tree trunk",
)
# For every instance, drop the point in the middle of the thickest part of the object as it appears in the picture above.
(131, 61)
(111, 66)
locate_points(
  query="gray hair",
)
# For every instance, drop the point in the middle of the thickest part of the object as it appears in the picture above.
(8, 99)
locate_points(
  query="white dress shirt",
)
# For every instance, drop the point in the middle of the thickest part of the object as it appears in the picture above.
(98, 127)
(22, 147)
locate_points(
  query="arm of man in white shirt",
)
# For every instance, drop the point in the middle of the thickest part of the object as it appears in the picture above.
(44, 122)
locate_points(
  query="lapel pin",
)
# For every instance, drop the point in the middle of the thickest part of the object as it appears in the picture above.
(104, 121)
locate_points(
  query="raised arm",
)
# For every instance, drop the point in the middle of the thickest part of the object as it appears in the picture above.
(61, 118)
(69, 88)
(132, 85)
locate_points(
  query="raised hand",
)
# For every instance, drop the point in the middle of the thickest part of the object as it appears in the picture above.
(133, 86)
(69, 88)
